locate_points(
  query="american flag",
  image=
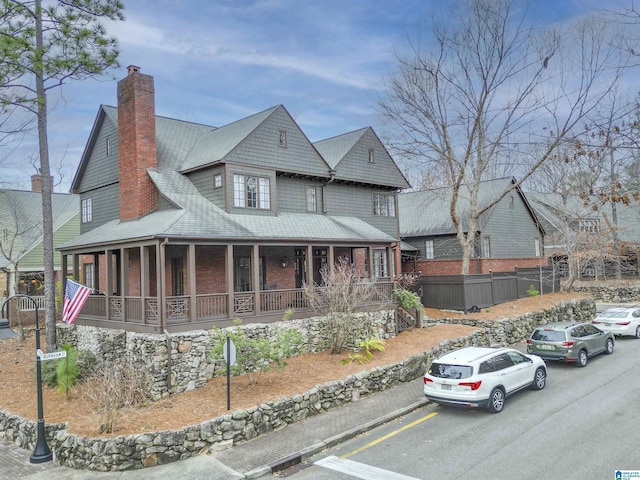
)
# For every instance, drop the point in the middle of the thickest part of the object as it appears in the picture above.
(74, 297)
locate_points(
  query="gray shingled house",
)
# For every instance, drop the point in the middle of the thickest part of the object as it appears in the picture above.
(509, 233)
(184, 225)
(21, 236)
(587, 225)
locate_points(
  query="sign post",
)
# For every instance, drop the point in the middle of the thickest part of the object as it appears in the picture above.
(229, 354)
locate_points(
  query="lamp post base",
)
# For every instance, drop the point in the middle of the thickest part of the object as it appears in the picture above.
(42, 452)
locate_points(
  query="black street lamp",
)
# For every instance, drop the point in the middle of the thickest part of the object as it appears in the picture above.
(42, 452)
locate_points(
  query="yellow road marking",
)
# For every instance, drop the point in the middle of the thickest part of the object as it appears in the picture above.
(389, 435)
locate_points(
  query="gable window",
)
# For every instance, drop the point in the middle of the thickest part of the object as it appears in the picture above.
(87, 211)
(282, 139)
(372, 156)
(311, 199)
(108, 146)
(251, 192)
(589, 225)
(486, 247)
(429, 252)
(384, 205)
(536, 246)
(217, 181)
(88, 277)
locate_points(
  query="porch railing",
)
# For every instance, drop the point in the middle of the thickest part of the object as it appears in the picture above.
(178, 309)
(26, 305)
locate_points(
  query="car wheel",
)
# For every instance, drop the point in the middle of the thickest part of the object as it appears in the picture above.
(609, 348)
(583, 358)
(496, 401)
(539, 379)
(638, 331)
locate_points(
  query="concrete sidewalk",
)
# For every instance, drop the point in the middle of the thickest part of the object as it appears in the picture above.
(254, 459)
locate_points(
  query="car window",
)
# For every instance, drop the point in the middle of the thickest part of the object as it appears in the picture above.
(578, 332)
(446, 370)
(616, 314)
(591, 330)
(636, 313)
(548, 335)
(502, 361)
(517, 358)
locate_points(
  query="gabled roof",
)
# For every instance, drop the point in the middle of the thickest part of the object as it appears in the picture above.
(23, 208)
(552, 211)
(427, 212)
(347, 155)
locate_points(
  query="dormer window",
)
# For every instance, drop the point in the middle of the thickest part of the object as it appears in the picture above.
(282, 139)
(86, 210)
(217, 181)
(251, 192)
(372, 156)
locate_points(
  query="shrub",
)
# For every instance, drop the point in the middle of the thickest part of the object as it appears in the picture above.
(67, 369)
(408, 299)
(366, 353)
(532, 292)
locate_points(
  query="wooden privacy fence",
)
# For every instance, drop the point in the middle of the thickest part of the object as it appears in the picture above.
(464, 292)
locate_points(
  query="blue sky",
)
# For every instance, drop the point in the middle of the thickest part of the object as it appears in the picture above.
(216, 61)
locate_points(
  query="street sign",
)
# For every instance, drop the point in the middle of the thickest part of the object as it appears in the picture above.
(50, 356)
(229, 352)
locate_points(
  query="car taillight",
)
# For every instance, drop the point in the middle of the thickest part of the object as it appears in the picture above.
(596, 322)
(528, 341)
(473, 385)
(624, 323)
(427, 380)
(567, 344)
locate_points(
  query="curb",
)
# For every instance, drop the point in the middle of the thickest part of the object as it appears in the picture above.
(302, 455)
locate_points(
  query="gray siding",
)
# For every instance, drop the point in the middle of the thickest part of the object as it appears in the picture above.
(261, 148)
(203, 181)
(511, 229)
(105, 202)
(102, 169)
(445, 247)
(292, 195)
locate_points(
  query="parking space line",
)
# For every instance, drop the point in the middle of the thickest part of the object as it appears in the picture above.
(389, 435)
(359, 470)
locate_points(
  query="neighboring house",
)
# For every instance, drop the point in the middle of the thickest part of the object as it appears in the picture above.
(184, 225)
(585, 227)
(21, 236)
(508, 234)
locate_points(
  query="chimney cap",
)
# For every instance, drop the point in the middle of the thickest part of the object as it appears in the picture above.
(131, 69)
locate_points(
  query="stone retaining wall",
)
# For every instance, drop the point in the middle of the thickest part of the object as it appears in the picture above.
(156, 448)
(611, 293)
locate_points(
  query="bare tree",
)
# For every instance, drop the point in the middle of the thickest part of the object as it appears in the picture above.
(494, 86)
(43, 47)
(341, 294)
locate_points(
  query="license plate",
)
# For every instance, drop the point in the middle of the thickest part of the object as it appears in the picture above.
(545, 347)
(446, 387)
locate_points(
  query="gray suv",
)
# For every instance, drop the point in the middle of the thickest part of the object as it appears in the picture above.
(570, 342)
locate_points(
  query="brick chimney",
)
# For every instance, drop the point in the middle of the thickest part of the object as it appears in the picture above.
(36, 182)
(137, 144)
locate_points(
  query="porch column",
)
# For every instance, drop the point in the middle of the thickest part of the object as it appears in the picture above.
(371, 271)
(191, 276)
(255, 277)
(331, 260)
(390, 268)
(144, 272)
(124, 272)
(229, 277)
(160, 280)
(309, 265)
(108, 260)
(75, 266)
(63, 279)
(96, 272)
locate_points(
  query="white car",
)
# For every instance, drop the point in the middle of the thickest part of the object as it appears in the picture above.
(482, 377)
(620, 321)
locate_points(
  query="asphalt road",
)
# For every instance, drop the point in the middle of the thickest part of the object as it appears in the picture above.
(584, 425)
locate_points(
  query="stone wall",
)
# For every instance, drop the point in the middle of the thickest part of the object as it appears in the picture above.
(611, 293)
(156, 448)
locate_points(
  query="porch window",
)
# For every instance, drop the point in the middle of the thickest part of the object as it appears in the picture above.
(380, 263)
(429, 252)
(242, 274)
(87, 210)
(384, 205)
(311, 199)
(251, 192)
(88, 275)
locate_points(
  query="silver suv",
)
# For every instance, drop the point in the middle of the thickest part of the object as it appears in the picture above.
(570, 342)
(482, 377)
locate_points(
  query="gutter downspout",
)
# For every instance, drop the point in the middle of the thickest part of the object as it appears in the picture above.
(332, 177)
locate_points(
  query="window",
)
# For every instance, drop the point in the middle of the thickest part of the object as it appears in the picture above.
(486, 247)
(217, 181)
(589, 225)
(251, 192)
(87, 211)
(282, 139)
(372, 156)
(536, 246)
(429, 252)
(108, 146)
(380, 263)
(511, 202)
(384, 205)
(87, 275)
(311, 199)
